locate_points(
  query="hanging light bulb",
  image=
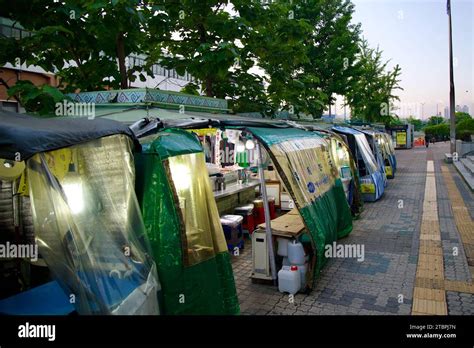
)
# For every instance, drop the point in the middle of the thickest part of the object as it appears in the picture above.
(249, 144)
(181, 175)
(73, 190)
(240, 147)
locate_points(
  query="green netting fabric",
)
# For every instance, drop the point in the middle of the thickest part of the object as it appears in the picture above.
(306, 166)
(206, 287)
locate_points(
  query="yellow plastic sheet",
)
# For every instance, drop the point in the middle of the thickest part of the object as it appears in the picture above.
(204, 233)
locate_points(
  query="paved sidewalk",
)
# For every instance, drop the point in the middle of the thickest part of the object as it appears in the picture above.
(390, 231)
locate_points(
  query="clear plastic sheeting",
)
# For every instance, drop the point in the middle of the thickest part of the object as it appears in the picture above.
(366, 152)
(204, 236)
(386, 145)
(89, 227)
(310, 167)
(342, 156)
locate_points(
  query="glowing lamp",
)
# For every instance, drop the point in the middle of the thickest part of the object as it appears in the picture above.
(249, 145)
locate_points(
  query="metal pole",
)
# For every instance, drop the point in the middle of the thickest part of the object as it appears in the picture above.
(268, 227)
(452, 132)
(344, 109)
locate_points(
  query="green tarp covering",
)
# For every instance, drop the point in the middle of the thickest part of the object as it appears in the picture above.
(201, 287)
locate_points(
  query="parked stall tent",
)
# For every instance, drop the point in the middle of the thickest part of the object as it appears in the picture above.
(388, 150)
(371, 177)
(327, 216)
(385, 147)
(305, 165)
(87, 223)
(183, 225)
(342, 157)
(378, 153)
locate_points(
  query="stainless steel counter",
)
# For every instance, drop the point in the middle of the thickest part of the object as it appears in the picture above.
(236, 188)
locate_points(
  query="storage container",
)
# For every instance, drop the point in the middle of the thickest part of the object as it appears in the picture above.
(303, 269)
(289, 279)
(259, 212)
(286, 202)
(296, 254)
(232, 226)
(248, 223)
(282, 246)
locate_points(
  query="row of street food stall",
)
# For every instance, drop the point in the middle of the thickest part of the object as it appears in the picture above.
(145, 218)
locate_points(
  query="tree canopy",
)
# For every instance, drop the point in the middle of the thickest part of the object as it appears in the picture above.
(372, 94)
(263, 56)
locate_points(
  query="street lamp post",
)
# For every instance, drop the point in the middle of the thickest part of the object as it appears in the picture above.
(422, 113)
(452, 132)
(344, 109)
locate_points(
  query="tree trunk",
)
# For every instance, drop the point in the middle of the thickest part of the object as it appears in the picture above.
(121, 60)
(208, 81)
(209, 91)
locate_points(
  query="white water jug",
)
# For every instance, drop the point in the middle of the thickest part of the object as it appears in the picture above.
(289, 280)
(296, 254)
(303, 269)
(282, 246)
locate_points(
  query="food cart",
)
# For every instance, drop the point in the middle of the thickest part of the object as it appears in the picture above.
(371, 176)
(304, 164)
(388, 150)
(183, 225)
(342, 157)
(297, 161)
(79, 177)
(382, 161)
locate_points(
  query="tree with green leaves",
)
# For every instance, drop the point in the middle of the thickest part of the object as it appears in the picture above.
(461, 116)
(332, 48)
(435, 120)
(276, 43)
(372, 95)
(417, 124)
(85, 42)
(306, 49)
(465, 129)
(308, 52)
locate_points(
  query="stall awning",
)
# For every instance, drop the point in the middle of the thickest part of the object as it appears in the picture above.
(25, 135)
(363, 146)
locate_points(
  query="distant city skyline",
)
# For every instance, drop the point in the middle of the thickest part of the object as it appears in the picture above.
(414, 34)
